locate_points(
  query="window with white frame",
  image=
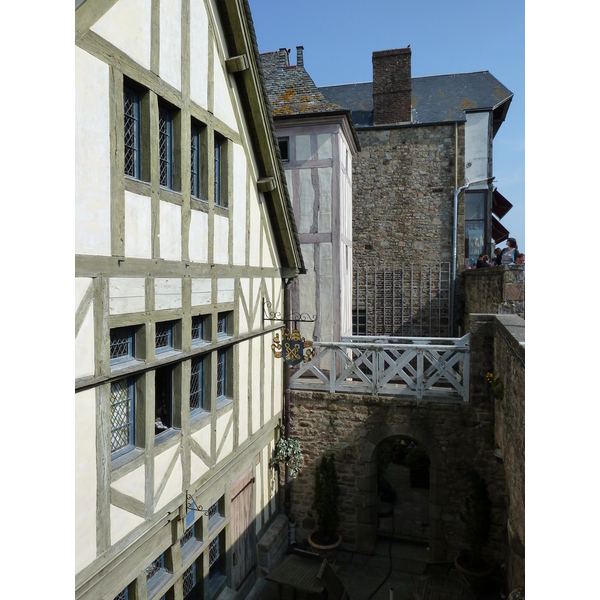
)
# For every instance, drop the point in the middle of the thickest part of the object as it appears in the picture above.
(122, 409)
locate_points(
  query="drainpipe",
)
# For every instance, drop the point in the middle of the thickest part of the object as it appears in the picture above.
(454, 242)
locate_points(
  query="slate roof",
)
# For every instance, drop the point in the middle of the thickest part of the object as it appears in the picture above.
(291, 89)
(435, 99)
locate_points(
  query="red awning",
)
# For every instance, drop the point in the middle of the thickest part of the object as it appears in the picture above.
(499, 232)
(500, 205)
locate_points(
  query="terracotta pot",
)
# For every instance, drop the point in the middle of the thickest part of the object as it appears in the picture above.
(326, 551)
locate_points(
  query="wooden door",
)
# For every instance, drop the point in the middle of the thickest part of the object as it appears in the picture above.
(243, 536)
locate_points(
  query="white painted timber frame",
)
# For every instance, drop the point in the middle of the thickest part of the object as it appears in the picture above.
(430, 368)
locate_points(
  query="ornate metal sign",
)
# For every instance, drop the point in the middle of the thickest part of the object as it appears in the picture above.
(293, 347)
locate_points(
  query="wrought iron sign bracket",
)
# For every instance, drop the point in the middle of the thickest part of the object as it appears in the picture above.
(189, 505)
(295, 318)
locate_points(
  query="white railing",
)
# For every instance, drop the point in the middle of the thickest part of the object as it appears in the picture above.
(436, 368)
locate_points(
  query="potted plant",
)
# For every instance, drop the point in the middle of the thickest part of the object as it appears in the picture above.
(418, 462)
(325, 538)
(478, 520)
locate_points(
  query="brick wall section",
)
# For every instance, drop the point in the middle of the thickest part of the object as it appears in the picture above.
(404, 182)
(392, 88)
(509, 367)
(494, 290)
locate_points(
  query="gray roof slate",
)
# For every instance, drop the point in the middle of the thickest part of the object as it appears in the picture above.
(435, 99)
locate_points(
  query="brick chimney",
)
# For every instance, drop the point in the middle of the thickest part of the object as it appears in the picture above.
(392, 90)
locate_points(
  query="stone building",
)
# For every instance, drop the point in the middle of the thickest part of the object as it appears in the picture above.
(318, 145)
(423, 191)
(184, 229)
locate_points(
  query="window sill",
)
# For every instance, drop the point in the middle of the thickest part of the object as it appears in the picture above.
(124, 364)
(161, 438)
(126, 458)
(223, 401)
(166, 353)
(198, 416)
(216, 584)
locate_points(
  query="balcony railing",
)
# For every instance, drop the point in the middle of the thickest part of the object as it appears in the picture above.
(432, 368)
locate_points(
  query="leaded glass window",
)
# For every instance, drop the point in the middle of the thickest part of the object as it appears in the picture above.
(163, 387)
(123, 595)
(196, 385)
(155, 567)
(221, 324)
(213, 557)
(121, 414)
(187, 536)
(164, 336)
(221, 373)
(195, 165)
(213, 511)
(132, 135)
(165, 147)
(197, 329)
(121, 344)
(218, 143)
(189, 580)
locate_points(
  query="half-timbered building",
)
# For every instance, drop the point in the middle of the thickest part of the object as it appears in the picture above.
(184, 230)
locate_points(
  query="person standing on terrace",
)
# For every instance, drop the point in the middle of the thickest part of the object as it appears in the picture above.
(508, 254)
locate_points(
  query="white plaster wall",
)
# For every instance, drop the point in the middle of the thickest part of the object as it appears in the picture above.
(170, 231)
(170, 42)
(225, 289)
(256, 389)
(225, 435)
(244, 305)
(307, 284)
(174, 486)
(138, 226)
(92, 156)
(84, 341)
(167, 293)
(324, 145)
(254, 226)
(303, 147)
(126, 295)
(127, 25)
(197, 467)
(198, 244)
(325, 199)
(199, 53)
(85, 476)
(258, 482)
(201, 292)
(133, 484)
(161, 465)
(122, 522)
(256, 304)
(477, 146)
(223, 105)
(221, 240)
(240, 169)
(203, 438)
(327, 302)
(277, 381)
(268, 375)
(242, 370)
(306, 200)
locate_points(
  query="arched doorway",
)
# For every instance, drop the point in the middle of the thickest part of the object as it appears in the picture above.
(403, 483)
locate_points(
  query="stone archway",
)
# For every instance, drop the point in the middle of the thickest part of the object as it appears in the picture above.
(367, 519)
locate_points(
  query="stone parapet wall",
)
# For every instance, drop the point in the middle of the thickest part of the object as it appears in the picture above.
(495, 290)
(273, 544)
(509, 367)
(404, 180)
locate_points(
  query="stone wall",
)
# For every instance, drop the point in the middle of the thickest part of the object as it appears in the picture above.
(458, 438)
(273, 544)
(494, 290)
(509, 367)
(404, 182)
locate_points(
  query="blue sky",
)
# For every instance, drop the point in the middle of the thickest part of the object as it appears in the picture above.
(339, 37)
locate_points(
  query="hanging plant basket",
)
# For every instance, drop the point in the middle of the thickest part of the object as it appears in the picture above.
(288, 452)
